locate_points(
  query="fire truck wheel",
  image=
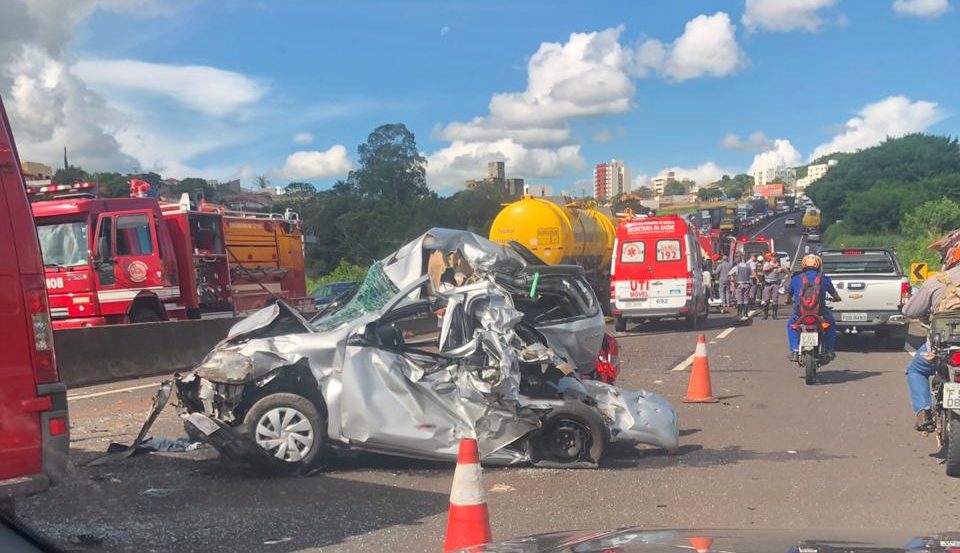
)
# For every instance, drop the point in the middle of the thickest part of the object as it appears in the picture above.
(144, 315)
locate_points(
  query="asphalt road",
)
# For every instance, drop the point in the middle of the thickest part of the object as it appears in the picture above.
(774, 453)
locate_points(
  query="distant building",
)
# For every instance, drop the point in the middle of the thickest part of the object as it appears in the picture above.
(539, 190)
(229, 187)
(659, 184)
(768, 190)
(815, 173)
(497, 178)
(611, 180)
(36, 171)
(770, 175)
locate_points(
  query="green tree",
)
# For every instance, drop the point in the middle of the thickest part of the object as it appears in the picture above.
(674, 189)
(197, 188)
(930, 220)
(644, 192)
(709, 194)
(391, 167)
(70, 175)
(111, 185)
(300, 189)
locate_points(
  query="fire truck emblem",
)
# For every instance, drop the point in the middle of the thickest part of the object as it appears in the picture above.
(137, 271)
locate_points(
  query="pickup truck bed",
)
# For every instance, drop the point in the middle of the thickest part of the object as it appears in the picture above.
(872, 288)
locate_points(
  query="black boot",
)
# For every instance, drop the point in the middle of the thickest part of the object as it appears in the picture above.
(766, 311)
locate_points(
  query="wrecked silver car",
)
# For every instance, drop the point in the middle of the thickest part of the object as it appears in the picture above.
(449, 337)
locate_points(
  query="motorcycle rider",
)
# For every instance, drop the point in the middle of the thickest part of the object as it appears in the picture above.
(773, 275)
(810, 272)
(742, 276)
(920, 306)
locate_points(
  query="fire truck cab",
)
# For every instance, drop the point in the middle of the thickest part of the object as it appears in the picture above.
(126, 260)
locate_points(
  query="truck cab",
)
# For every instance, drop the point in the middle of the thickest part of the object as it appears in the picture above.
(106, 260)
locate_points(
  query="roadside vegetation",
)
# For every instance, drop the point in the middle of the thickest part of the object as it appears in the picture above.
(902, 193)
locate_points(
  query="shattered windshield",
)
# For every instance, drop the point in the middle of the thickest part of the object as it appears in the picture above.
(373, 293)
(63, 244)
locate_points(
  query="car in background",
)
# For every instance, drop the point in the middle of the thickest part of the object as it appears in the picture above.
(789, 222)
(813, 236)
(33, 401)
(327, 293)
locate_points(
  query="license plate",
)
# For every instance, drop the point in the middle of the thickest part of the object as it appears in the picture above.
(809, 339)
(853, 317)
(951, 395)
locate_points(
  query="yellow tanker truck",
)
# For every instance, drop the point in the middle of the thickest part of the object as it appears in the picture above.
(561, 231)
(811, 219)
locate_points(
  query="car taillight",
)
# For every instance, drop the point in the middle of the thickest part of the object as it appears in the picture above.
(904, 292)
(608, 361)
(41, 330)
(613, 291)
(689, 283)
(954, 359)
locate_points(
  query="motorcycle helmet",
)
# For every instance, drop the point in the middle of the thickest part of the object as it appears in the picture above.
(949, 248)
(811, 261)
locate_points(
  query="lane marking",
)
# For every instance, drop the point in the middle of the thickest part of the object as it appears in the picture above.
(108, 392)
(689, 360)
(759, 232)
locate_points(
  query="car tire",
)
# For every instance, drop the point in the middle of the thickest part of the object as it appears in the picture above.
(895, 342)
(570, 436)
(620, 324)
(300, 439)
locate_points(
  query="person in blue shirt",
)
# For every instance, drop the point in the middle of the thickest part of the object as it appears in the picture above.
(810, 266)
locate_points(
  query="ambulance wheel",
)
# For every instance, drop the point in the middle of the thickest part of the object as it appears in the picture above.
(620, 324)
(144, 315)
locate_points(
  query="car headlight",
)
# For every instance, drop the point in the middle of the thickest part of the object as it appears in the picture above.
(225, 366)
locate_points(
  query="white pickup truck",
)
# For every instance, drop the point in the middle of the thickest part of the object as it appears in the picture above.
(872, 288)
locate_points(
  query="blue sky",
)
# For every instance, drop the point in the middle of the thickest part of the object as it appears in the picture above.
(221, 89)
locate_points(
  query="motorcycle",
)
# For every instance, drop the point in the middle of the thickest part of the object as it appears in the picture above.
(813, 354)
(944, 337)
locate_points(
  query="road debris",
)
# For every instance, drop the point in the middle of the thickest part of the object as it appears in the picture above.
(502, 488)
(157, 492)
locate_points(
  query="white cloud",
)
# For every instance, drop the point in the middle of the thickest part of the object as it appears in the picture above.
(449, 167)
(891, 117)
(921, 8)
(200, 87)
(445, 30)
(302, 138)
(591, 74)
(785, 15)
(756, 142)
(641, 180)
(701, 174)
(315, 164)
(707, 47)
(781, 154)
(602, 137)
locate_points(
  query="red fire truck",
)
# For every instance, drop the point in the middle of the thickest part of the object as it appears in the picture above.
(131, 260)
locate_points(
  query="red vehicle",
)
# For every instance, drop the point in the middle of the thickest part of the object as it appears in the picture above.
(656, 271)
(126, 260)
(759, 245)
(35, 438)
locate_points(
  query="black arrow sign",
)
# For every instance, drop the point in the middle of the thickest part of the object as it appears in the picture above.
(918, 271)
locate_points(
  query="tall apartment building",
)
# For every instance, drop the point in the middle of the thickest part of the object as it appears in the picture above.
(497, 178)
(610, 180)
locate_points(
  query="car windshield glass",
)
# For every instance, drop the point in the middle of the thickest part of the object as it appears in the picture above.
(853, 264)
(372, 294)
(64, 244)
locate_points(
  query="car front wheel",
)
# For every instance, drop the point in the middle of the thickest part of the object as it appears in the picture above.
(289, 428)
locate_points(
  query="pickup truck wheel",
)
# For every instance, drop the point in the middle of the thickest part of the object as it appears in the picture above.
(952, 446)
(288, 427)
(895, 342)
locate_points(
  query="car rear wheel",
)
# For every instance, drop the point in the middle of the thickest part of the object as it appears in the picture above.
(571, 435)
(288, 427)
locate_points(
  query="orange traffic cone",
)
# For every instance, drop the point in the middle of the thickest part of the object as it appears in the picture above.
(702, 545)
(468, 523)
(699, 389)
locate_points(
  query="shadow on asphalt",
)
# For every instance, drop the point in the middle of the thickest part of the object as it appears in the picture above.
(695, 455)
(134, 503)
(841, 376)
(654, 328)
